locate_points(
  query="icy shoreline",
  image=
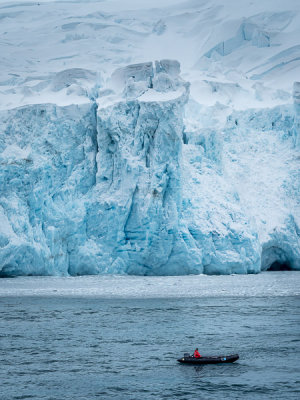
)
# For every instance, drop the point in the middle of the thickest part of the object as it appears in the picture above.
(266, 284)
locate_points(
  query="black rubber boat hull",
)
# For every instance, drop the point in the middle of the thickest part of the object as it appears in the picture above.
(209, 360)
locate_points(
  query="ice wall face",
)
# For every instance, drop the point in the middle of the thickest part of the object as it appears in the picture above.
(296, 96)
(263, 164)
(135, 215)
(47, 166)
(143, 181)
(143, 218)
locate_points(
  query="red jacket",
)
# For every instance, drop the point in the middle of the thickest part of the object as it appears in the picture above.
(196, 354)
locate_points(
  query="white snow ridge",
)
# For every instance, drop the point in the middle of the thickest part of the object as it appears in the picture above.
(149, 137)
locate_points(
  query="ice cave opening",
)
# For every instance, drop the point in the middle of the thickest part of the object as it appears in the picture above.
(274, 258)
(280, 266)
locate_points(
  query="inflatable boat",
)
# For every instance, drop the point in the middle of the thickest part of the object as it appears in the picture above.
(188, 359)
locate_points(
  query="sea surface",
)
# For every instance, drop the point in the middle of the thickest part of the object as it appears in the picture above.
(119, 337)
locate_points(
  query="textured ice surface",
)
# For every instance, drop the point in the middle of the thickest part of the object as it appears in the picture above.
(124, 186)
(47, 167)
(136, 171)
(52, 50)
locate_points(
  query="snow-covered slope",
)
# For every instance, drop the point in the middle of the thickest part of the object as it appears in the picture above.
(227, 48)
(110, 168)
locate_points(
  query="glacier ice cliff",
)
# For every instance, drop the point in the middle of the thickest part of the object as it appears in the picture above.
(143, 180)
(47, 166)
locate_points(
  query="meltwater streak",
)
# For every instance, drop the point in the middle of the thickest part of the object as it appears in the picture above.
(122, 286)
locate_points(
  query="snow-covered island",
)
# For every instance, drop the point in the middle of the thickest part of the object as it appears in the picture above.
(124, 152)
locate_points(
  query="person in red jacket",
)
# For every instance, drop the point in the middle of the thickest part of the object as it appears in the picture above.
(197, 354)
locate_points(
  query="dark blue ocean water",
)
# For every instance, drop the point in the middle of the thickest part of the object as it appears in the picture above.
(63, 348)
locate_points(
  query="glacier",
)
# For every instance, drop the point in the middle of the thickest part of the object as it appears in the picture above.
(145, 169)
(128, 184)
